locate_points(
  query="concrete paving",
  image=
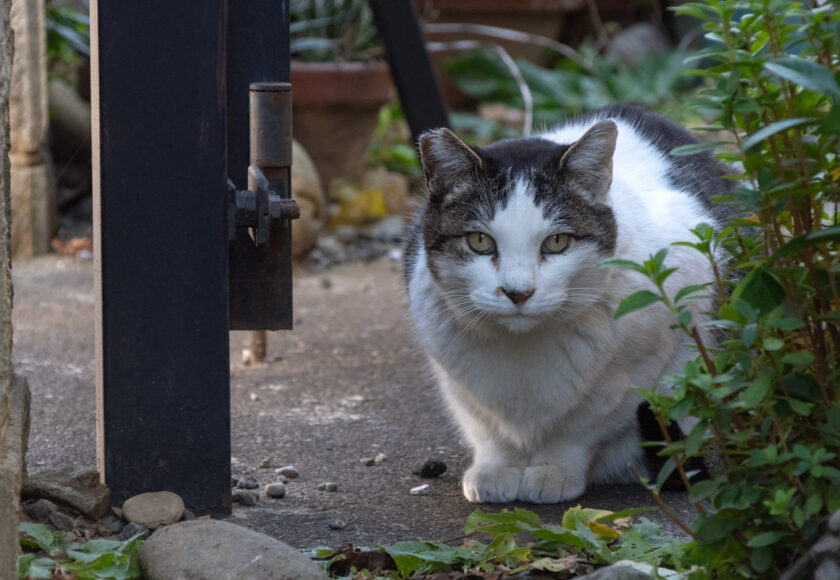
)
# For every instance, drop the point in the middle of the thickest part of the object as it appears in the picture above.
(346, 384)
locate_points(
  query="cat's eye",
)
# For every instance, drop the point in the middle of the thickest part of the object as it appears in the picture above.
(481, 243)
(556, 244)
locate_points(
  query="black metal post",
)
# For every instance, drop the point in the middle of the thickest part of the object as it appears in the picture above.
(258, 50)
(410, 66)
(162, 249)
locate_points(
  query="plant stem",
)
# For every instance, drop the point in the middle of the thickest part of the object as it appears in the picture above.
(661, 503)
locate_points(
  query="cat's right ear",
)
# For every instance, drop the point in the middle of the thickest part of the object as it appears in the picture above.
(448, 163)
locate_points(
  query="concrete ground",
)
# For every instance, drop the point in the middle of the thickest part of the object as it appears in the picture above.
(346, 384)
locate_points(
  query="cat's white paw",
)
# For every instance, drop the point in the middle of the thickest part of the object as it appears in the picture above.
(550, 484)
(485, 483)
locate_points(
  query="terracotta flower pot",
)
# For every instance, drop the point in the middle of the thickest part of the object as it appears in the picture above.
(335, 107)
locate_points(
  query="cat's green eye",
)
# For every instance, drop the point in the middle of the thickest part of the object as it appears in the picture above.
(556, 244)
(481, 243)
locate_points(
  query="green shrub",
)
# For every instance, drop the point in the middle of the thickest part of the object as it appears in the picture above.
(768, 396)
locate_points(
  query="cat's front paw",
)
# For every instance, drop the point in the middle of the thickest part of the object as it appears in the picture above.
(550, 484)
(485, 483)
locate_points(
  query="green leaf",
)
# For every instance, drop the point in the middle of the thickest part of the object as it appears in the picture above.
(798, 358)
(704, 489)
(39, 533)
(766, 539)
(772, 344)
(695, 439)
(695, 148)
(800, 407)
(624, 265)
(31, 566)
(830, 234)
(625, 514)
(686, 291)
(808, 74)
(755, 393)
(773, 128)
(636, 301)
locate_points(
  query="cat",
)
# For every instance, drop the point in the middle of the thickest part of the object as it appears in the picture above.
(514, 312)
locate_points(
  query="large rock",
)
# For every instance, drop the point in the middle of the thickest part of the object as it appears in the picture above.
(77, 487)
(154, 509)
(214, 550)
(307, 190)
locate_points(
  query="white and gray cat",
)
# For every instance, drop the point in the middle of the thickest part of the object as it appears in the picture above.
(514, 312)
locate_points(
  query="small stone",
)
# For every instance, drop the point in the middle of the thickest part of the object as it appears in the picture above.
(245, 497)
(431, 468)
(234, 480)
(834, 523)
(248, 483)
(254, 396)
(338, 524)
(420, 489)
(326, 283)
(380, 458)
(110, 526)
(154, 509)
(61, 521)
(289, 471)
(40, 509)
(131, 529)
(280, 477)
(369, 461)
(275, 490)
(328, 486)
(265, 463)
(189, 516)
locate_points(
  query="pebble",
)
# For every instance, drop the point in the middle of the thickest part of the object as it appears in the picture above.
(154, 509)
(234, 480)
(131, 529)
(431, 468)
(834, 523)
(289, 471)
(328, 486)
(280, 477)
(61, 521)
(40, 509)
(420, 489)
(338, 525)
(369, 461)
(326, 283)
(189, 516)
(248, 483)
(275, 490)
(245, 497)
(265, 463)
(110, 525)
(381, 458)
(253, 396)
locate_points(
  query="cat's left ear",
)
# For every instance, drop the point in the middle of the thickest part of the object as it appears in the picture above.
(589, 161)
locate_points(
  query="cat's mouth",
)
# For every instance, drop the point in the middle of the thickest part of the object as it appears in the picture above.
(518, 321)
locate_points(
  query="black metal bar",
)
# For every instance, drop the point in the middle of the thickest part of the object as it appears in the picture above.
(162, 249)
(411, 69)
(258, 51)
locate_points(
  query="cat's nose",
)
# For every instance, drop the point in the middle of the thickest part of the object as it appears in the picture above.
(518, 296)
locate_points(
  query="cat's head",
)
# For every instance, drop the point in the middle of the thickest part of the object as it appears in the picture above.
(514, 231)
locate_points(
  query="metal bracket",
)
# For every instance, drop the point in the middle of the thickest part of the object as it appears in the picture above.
(260, 207)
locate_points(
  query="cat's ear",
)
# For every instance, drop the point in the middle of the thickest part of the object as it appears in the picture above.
(589, 161)
(448, 163)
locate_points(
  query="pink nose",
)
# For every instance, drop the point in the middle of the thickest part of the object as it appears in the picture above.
(518, 296)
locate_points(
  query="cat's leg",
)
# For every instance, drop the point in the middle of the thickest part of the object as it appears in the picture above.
(557, 472)
(496, 469)
(494, 476)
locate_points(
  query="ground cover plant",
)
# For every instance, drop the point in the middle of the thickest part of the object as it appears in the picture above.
(513, 541)
(48, 555)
